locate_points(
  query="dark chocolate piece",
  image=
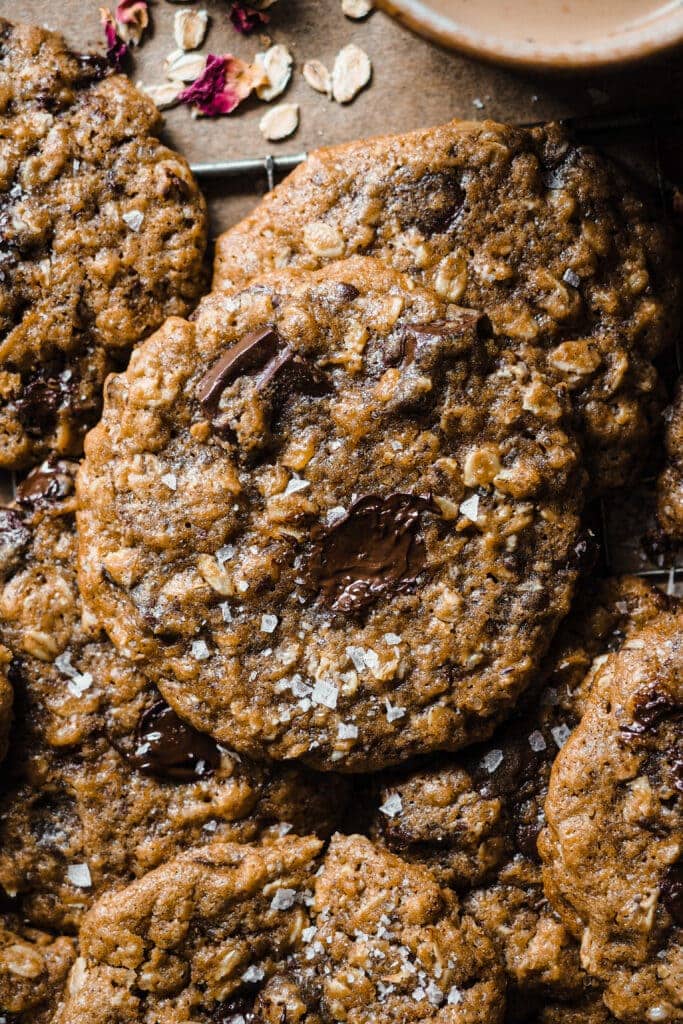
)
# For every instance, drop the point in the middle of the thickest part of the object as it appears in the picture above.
(169, 748)
(248, 355)
(651, 711)
(672, 890)
(374, 549)
(38, 404)
(15, 538)
(49, 483)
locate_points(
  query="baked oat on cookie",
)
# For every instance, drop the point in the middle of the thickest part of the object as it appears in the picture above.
(331, 519)
(541, 234)
(279, 934)
(104, 780)
(102, 235)
(613, 845)
(670, 485)
(474, 820)
(33, 969)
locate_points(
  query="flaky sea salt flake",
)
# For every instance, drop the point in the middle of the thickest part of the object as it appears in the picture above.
(537, 741)
(133, 219)
(561, 734)
(283, 899)
(79, 875)
(392, 806)
(470, 507)
(325, 693)
(269, 623)
(492, 761)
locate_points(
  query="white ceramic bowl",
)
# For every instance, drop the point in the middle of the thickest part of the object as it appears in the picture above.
(552, 34)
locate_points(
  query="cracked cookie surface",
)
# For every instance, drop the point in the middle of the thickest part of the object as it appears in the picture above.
(331, 518)
(103, 234)
(33, 969)
(281, 933)
(670, 484)
(474, 819)
(614, 836)
(541, 234)
(105, 781)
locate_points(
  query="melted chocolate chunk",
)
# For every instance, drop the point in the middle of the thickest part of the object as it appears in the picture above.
(671, 891)
(374, 549)
(238, 1009)
(92, 67)
(37, 407)
(432, 203)
(276, 368)
(651, 712)
(15, 538)
(248, 355)
(47, 484)
(169, 748)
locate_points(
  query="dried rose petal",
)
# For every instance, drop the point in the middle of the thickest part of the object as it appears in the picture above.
(246, 19)
(132, 18)
(117, 49)
(220, 88)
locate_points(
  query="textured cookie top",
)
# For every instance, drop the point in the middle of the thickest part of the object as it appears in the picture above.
(104, 780)
(6, 697)
(331, 518)
(103, 231)
(542, 235)
(474, 819)
(670, 484)
(612, 847)
(232, 933)
(33, 969)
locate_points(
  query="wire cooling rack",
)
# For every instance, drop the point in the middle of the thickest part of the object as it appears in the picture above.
(623, 519)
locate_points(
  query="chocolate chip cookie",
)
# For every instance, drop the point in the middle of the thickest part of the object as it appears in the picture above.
(474, 820)
(539, 233)
(670, 487)
(613, 842)
(102, 234)
(278, 933)
(104, 780)
(33, 969)
(331, 518)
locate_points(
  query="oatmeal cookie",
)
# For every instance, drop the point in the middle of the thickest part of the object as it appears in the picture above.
(670, 486)
(474, 820)
(105, 781)
(275, 933)
(612, 848)
(102, 235)
(33, 969)
(332, 520)
(541, 234)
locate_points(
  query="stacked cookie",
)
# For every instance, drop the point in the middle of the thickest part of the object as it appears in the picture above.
(319, 712)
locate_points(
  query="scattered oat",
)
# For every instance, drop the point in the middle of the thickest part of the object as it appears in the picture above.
(356, 9)
(276, 64)
(184, 67)
(189, 28)
(351, 73)
(164, 95)
(280, 122)
(317, 76)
